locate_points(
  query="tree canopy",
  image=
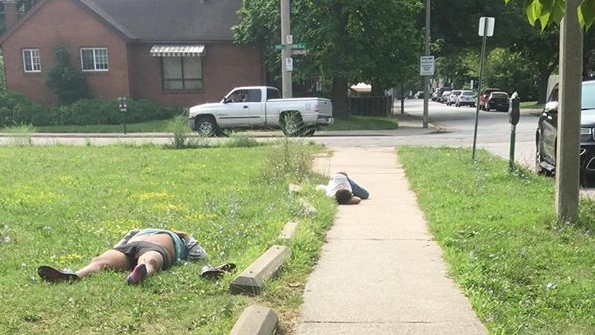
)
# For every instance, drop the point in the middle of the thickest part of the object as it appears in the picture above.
(547, 12)
(375, 41)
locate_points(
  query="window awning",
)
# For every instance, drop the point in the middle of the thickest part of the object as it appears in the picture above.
(177, 50)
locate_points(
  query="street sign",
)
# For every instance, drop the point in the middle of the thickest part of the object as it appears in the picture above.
(426, 66)
(288, 64)
(300, 51)
(486, 26)
(298, 46)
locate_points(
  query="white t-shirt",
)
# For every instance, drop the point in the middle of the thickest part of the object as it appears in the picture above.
(338, 182)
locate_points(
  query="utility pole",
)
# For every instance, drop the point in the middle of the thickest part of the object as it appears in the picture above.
(286, 45)
(567, 155)
(426, 78)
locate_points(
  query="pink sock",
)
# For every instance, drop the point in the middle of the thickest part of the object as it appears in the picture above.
(138, 274)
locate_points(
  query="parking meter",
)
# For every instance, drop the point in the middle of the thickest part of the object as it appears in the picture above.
(123, 105)
(514, 111)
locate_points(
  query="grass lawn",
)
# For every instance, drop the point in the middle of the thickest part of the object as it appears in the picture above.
(63, 205)
(524, 272)
(531, 105)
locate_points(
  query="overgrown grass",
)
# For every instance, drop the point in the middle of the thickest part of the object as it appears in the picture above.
(524, 272)
(351, 123)
(63, 205)
(21, 135)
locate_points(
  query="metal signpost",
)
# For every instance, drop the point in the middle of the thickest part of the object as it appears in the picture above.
(123, 105)
(426, 78)
(426, 69)
(286, 60)
(486, 28)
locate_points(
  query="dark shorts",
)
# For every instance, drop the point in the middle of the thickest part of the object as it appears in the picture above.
(133, 250)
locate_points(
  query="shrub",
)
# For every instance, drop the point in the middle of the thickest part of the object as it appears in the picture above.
(16, 109)
(68, 84)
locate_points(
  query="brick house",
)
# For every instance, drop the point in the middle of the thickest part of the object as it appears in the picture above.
(171, 52)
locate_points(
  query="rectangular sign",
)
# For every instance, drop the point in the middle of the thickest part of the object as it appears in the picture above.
(486, 26)
(300, 51)
(426, 66)
(289, 64)
(300, 45)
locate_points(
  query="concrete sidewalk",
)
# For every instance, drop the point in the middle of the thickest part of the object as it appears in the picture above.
(380, 271)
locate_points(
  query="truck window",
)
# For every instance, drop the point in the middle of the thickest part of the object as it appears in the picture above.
(253, 96)
(273, 94)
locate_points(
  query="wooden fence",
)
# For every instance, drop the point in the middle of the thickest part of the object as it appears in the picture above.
(370, 106)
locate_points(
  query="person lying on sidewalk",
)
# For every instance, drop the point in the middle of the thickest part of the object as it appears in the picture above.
(144, 252)
(345, 190)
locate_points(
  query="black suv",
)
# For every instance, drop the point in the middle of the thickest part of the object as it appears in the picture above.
(497, 100)
(546, 137)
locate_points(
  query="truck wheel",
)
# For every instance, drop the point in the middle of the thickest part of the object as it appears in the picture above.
(206, 126)
(292, 124)
(310, 131)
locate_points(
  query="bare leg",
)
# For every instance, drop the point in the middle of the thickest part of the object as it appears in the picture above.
(153, 260)
(111, 259)
(148, 263)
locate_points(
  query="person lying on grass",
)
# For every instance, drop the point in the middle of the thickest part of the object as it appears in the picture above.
(345, 190)
(144, 252)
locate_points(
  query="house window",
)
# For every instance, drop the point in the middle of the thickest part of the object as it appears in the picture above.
(31, 62)
(94, 59)
(182, 73)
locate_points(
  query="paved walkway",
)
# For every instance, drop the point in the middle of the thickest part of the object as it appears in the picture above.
(380, 271)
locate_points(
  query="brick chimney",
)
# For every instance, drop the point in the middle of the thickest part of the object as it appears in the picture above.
(10, 13)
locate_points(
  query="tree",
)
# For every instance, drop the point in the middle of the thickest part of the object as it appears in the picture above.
(547, 12)
(67, 84)
(348, 41)
(454, 33)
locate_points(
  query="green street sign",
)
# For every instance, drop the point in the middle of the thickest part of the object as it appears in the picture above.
(300, 45)
(297, 46)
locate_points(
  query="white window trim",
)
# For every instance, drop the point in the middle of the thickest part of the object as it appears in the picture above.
(29, 59)
(95, 69)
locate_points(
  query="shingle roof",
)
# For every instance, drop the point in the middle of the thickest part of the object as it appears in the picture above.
(169, 20)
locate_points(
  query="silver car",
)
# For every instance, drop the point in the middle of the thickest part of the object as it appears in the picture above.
(452, 98)
(466, 98)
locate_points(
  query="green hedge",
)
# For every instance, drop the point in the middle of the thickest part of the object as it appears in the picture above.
(16, 109)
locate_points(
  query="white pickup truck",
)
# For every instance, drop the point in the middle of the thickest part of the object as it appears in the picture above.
(261, 107)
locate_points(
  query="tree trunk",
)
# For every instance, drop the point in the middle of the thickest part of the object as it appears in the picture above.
(339, 94)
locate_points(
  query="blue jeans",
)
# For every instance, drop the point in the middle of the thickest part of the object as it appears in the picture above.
(357, 190)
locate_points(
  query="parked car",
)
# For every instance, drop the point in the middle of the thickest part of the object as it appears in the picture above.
(452, 98)
(434, 94)
(497, 100)
(439, 92)
(546, 135)
(484, 95)
(444, 97)
(466, 98)
(419, 95)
